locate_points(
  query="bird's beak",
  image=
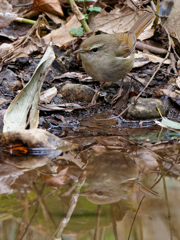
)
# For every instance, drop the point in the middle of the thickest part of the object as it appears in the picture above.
(84, 194)
(79, 51)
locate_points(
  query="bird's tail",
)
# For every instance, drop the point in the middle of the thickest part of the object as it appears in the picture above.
(142, 23)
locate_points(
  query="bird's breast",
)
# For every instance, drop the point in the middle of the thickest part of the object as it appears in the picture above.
(105, 68)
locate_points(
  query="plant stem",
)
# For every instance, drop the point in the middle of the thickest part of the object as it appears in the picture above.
(25, 20)
(79, 15)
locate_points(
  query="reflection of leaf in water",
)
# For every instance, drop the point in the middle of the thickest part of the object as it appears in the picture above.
(22, 142)
(55, 181)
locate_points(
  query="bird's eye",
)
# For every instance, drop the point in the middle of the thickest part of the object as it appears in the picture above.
(94, 50)
(100, 193)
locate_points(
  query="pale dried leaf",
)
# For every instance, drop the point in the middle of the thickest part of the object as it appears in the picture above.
(60, 107)
(62, 35)
(178, 64)
(130, 4)
(142, 59)
(115, 21)
(48, 95)
(27, 100)
(4, 48)
(23, 51)
(6, 14)
(147, 33)
(170, 94)
(71, 75)
(178, 81)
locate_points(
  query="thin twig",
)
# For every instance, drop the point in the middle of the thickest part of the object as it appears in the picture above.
(102, 231)
(33, 216)
(135, 216)
(167, 205)
(153, 49)
(47, 214)
(96, 233)
(69, 108)
(73, 202)
(175, 53)
(134, 4)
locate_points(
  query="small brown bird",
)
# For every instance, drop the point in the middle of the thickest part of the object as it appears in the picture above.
(109, 57)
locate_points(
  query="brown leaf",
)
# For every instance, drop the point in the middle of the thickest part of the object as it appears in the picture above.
(115, 21)
(6, 14)
(170, 94)
(178, 81)
(47, 6)
(48, 95)
(62, 35)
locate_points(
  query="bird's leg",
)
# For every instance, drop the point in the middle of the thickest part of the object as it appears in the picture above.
(118, 95)
(95, 97)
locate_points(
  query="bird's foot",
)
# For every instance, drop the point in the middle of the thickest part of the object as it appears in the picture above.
(95, 97)
(116, 97)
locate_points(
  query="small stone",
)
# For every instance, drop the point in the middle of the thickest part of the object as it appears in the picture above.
(145, 108)
(77, 92)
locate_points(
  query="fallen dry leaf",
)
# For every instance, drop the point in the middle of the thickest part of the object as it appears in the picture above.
(178, 81)
(170, 94)
(56, 19)
(52, 6)
(68, 107)
(18, 113)
(6, 14)
(70, 75)
(48, 95)
(62, 35)
(147, 33)
(114, 21)
(142, 59)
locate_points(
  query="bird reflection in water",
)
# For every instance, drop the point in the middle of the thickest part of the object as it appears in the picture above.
(111, 177)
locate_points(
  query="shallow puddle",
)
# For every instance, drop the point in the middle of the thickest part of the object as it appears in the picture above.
(112, 187)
